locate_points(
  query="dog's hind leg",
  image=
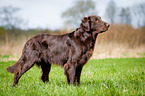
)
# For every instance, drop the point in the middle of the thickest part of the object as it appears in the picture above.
(21, 69)
(45, 71)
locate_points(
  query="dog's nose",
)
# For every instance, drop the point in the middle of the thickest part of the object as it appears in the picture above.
(107, 25)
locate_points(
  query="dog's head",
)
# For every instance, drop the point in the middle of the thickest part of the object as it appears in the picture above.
(95, 24)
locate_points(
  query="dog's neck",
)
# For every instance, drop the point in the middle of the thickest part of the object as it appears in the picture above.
(86, 37)
(81, 33)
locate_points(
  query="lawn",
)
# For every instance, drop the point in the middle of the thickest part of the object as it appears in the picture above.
(120, 77)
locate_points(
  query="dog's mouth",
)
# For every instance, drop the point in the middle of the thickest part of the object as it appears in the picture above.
(106, 29)
(103, 30)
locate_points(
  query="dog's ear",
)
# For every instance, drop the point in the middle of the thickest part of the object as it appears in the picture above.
(85, 24)
(92, 21)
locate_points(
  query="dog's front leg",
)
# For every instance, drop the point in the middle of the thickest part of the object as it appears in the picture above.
(71, 74)
(65, 68)
(70, 71)
(78, 74)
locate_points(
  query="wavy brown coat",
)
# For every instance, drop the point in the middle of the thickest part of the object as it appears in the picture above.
(71, 51)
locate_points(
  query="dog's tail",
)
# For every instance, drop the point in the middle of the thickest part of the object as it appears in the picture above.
(14, 67)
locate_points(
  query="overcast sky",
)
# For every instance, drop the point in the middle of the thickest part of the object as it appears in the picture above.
(47, 13)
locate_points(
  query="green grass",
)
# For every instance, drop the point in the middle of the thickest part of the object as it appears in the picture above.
(107, 77)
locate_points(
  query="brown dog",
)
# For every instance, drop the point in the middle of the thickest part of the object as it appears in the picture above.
(70, 50)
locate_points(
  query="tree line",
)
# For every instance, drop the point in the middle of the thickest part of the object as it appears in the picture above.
(134, 15)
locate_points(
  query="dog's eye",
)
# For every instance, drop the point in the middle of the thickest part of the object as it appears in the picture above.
(85, 18)
(96, 19)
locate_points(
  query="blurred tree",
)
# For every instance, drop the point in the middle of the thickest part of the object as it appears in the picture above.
(10, 21)
(138, 11)
(110, 12)
(2, 33)
(8, 18)
(122, 15)
(80, 9)
(125, 16)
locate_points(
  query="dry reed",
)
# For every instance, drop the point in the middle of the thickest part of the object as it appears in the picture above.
(119, 41)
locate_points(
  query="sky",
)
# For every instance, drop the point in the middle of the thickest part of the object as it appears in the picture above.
(47, 13)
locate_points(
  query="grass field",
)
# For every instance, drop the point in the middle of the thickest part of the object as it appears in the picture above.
(109, 77)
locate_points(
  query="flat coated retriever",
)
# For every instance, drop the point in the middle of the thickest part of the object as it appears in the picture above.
(71, 51)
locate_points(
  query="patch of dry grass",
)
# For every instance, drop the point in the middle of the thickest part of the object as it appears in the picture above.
(120, 41)
(117, 51)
